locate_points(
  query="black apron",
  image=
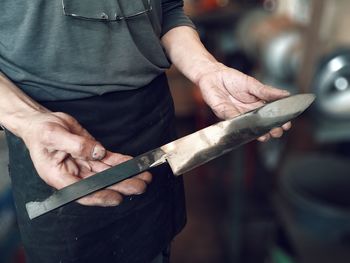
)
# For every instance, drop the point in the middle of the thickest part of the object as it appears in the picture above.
(128, 122)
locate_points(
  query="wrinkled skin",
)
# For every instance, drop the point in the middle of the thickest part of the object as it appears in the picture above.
(63, 153)
(229, 93)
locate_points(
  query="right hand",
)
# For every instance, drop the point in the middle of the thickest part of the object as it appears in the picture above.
(63, 152)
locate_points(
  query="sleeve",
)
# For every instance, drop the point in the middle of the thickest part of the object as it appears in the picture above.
(174, 16)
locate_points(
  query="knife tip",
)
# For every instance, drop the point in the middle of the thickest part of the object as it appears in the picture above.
(34, 209)
(289, 107)
(308, 98)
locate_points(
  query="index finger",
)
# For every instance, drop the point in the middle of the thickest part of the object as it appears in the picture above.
(268, 93)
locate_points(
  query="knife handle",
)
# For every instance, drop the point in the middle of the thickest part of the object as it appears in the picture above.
(84, 187)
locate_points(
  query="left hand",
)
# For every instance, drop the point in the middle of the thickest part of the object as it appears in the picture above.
(229, 93)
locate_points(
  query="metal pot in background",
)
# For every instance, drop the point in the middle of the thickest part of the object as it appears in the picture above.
(331, 85)
(313, 204)
(274, 41)
(277, 45)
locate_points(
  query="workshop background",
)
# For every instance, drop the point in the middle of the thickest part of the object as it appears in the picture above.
(284, 201)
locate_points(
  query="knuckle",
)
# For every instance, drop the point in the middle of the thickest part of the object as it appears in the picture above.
(67, 119)
(60, 114)
(80, 146)
(64, 116)
(48, 132)
(252, 82)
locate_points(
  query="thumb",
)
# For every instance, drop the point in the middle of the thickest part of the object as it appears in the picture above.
(80, 147)
(268, 93)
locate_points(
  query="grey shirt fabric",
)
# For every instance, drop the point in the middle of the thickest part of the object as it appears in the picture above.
(51, 56)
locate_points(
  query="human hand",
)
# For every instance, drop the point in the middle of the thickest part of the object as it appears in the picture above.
(229, 93)
(63, 153)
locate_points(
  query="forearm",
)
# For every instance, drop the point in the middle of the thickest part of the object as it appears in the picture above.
(187, 53)
(15, 106)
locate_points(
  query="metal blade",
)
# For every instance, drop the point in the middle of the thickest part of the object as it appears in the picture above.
(202, 146)
(185, 153)
(94, 183)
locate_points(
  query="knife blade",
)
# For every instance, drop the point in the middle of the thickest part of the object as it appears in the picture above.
(185, 153)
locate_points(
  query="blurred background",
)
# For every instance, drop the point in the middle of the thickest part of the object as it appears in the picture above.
(284, 201)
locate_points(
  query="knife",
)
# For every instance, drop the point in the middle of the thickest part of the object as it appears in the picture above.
(185, 153)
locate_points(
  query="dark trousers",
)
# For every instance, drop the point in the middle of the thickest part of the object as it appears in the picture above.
(128, 122)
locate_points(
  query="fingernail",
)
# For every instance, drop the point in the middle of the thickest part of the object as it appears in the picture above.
(286, 92)
(98, 152)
